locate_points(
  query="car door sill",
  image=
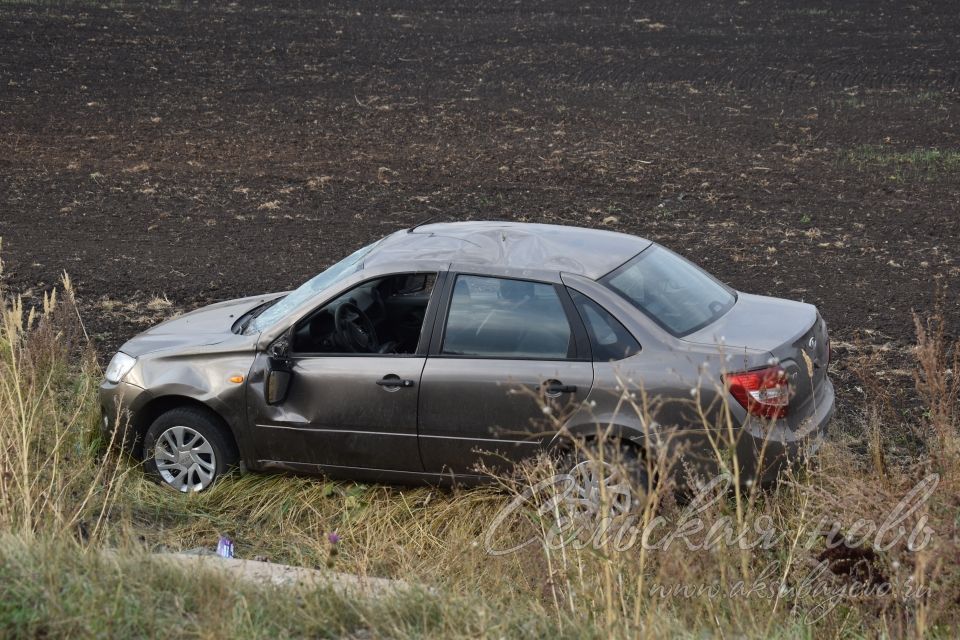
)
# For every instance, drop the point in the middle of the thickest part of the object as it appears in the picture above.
(373, 475)
(313, 429)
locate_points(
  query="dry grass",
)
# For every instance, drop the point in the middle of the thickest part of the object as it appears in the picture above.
(64, 496)
(48, 377)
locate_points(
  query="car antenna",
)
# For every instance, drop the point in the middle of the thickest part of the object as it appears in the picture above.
(423, 222)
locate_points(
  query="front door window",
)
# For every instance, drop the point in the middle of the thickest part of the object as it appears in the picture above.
(383, 316)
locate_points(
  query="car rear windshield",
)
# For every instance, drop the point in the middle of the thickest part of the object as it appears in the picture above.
(674, 293)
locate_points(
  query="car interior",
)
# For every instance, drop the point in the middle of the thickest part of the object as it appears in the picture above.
(384, 316)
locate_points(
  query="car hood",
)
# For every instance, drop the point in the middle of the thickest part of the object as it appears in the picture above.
(205, 326)
(758, 323)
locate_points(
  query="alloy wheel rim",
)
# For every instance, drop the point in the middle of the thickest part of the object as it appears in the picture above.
(185, 459)
(599, 490)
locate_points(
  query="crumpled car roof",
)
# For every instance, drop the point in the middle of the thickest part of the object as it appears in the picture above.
(588, 252)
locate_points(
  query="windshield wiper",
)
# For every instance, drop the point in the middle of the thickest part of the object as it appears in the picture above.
(245, 320)
(244, 323)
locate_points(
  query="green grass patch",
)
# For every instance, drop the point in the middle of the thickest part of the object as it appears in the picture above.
(811, 11)
(55, 589)
(901, 165)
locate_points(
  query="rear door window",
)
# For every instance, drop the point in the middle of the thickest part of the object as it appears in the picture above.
(506, 318)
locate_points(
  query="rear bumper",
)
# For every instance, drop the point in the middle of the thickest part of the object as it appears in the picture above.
(119, 404)
(765, 450)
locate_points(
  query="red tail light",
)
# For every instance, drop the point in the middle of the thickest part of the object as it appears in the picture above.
(764, 392)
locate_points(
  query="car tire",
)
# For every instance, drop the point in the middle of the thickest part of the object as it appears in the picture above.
(187, 450)
(624, 493)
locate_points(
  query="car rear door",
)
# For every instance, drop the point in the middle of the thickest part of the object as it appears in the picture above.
(503, 349)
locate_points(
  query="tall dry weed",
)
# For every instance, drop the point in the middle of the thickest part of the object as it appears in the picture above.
(49, 482)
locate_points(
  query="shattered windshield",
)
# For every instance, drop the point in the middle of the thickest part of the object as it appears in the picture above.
(349, 265)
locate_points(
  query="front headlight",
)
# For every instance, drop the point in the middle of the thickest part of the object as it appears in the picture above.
(119, 366)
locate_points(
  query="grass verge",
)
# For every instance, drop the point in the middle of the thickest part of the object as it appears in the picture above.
(815, 563)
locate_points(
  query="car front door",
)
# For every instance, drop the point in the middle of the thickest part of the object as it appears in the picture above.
(347, 409)
(508, 352)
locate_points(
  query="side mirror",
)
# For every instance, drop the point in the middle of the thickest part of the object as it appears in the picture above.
(278, 384)
(280, 373)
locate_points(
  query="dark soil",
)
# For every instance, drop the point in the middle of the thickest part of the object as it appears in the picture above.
(170, 156)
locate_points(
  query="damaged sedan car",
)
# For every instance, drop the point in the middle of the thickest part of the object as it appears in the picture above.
(432, 352)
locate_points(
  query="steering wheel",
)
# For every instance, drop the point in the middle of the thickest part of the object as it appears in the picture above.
(355, 331)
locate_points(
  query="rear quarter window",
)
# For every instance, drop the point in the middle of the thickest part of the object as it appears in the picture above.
(609, 339)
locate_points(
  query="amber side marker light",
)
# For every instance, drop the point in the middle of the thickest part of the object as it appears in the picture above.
(236, 379)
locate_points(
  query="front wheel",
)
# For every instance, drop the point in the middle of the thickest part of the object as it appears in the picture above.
(187, 450)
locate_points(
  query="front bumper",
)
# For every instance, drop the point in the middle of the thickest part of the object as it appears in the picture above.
(119, 405)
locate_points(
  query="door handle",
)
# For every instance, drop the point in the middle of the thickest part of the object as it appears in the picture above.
(555, 388)
(394, 381)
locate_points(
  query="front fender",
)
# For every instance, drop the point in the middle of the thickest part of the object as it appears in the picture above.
(204, 378)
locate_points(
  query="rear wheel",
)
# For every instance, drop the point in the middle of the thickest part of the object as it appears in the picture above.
(187, 450)
(609, 485)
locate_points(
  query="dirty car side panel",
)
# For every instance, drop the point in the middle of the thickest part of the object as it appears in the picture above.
(336, 413)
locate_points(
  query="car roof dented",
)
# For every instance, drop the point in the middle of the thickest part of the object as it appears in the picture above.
(513, 245)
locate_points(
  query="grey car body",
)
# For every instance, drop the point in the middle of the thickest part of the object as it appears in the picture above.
(421, 408)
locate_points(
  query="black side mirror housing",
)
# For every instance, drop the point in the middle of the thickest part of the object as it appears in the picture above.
(280, 373)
